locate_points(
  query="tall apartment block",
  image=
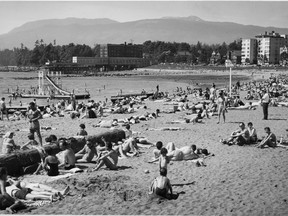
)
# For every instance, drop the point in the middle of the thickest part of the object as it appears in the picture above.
(249, 51)
(269, 45)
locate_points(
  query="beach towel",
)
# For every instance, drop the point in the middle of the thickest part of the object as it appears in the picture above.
(38, 203)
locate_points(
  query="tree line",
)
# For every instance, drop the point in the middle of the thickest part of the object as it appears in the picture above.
(157, 51)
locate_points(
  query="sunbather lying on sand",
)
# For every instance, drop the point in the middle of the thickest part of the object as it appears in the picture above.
(179, 154)
(6, 201)
(166, 129)
(247, 106)
(15, 190)
(40, 188)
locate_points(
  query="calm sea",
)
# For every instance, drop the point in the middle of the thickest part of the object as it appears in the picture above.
(101, 87)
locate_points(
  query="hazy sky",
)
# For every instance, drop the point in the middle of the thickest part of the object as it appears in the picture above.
(16, 13)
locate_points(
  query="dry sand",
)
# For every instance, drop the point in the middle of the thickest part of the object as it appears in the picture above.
(237, 180)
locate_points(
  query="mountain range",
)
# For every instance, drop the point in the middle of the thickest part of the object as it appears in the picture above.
(97, 31)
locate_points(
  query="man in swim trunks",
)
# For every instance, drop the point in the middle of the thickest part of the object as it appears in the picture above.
(109, 158)
(68, 155)
(87, 153)
(161, 185)
(3, 109)
(239, 137)
(129, 145)
(270, 140)
(34, 115)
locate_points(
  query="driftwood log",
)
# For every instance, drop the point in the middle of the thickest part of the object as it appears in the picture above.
(25, 162)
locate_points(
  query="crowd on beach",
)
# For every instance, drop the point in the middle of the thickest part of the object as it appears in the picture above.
(211, 102)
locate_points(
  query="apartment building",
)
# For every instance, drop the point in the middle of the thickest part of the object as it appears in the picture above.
(249, 51)
(269, 47)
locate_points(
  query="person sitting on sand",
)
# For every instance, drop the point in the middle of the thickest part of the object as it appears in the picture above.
(270, 140)
(68, 155)
(129, 145)
(109, 158)
(161, 185)
(32, 143)
(82, 131)
(239, 137)
(6, 201)
(128, 132)
(50, 164)
(9, 145)
(252, 133)
(87, 153)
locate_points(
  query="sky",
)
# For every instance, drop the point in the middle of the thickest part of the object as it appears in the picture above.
(262, 13)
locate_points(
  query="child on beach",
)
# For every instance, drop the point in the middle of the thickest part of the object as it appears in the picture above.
(156, 152)
(32, 143)
(163, 159)
(82, 131)
(161, 185)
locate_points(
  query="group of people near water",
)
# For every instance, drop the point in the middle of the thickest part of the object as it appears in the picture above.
(218, 103)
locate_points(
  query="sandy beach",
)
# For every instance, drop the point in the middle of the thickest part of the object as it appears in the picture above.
(238, 180)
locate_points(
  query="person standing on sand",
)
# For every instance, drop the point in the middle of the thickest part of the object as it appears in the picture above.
(221, 103)
(213, 92)
(3, 109)
(34, 115)
(265, 100)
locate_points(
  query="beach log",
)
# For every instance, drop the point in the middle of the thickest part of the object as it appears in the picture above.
(20, 160)
(12, 164)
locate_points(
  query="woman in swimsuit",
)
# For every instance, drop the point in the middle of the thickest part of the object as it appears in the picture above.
(221, 102)
(50, 164)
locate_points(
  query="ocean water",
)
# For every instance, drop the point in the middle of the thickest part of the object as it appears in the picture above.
(102, 87)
